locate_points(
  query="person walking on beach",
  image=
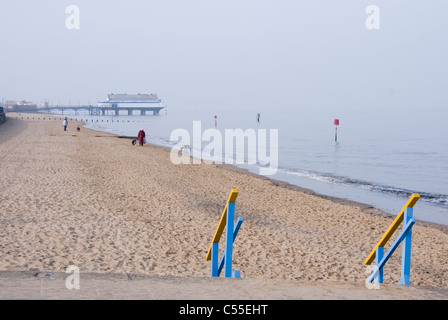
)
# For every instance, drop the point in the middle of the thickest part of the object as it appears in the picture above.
(64, 123)
(141, 137)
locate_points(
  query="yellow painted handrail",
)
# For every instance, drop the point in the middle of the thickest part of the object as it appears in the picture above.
(222, 222)
(398, 219)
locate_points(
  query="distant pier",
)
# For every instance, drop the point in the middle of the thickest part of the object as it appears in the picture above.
(95, 110)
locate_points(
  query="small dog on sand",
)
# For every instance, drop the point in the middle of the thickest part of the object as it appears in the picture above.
(134, 142)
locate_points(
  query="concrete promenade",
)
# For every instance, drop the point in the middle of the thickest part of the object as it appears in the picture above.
(93, 286)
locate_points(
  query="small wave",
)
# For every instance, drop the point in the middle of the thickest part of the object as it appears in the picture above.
(439, 199)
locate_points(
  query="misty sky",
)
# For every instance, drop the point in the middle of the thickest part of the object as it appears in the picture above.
(260, 54)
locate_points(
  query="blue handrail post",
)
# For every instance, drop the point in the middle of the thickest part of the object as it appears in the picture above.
(229, 239)
(215, 247)
(406, 250)
(231, 230)
(391, 250)
(405, 216)
(239, 221)
(379, 256)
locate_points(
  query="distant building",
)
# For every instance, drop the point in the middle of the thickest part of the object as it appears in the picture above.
(130, 103)
(2, 114)
(19, 106)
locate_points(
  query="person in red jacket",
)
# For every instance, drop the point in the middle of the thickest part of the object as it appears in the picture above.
(141, 137)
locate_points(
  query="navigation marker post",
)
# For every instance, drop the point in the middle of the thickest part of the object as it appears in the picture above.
(336, 123)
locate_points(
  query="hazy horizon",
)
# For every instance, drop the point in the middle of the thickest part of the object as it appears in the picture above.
(286, 55)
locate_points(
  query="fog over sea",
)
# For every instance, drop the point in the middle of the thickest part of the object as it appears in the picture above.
(381, 156)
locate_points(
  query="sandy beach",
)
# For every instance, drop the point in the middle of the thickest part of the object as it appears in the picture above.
(96, 201)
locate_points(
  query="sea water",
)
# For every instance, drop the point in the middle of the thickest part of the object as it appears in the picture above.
(380, 158)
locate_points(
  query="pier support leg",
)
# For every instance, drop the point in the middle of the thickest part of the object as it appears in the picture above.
(406, 251)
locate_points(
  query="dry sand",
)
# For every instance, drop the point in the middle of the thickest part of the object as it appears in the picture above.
(96, 201)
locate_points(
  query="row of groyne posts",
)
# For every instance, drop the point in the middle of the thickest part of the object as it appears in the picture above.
(227, 224)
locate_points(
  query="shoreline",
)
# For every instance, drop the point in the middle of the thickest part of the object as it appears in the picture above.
(428, 217)
(369, 209)
(96, 201)
(427, 211)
